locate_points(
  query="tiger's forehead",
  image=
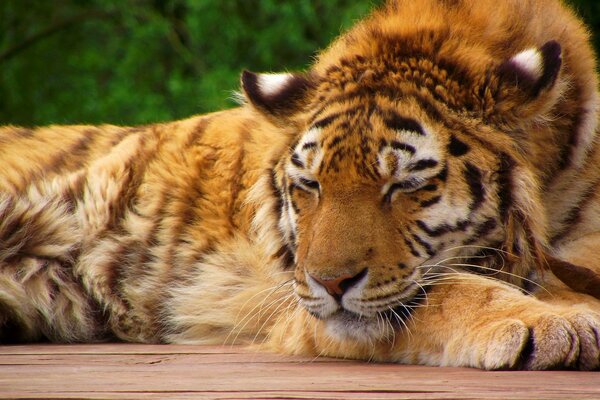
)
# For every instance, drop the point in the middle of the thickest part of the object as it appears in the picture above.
(369, 143)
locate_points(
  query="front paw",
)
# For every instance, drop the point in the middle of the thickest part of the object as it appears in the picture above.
(538, 342)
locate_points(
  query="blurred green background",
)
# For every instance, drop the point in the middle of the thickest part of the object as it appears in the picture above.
(139, 61)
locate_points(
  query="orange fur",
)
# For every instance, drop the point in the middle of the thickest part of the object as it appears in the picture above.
(397, 202)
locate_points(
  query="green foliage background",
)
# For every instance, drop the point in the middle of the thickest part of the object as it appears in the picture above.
(140, 61)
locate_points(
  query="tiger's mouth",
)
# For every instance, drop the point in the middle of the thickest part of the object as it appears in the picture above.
(356, 317)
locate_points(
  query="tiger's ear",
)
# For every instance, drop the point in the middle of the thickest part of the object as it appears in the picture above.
(533, 70)
(528, 81)
(277, 95)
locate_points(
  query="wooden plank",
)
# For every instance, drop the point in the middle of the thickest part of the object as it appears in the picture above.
(119, 348)
(342, 395)
(131, 371)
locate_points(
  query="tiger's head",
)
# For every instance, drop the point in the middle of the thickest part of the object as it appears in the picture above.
(402, 170)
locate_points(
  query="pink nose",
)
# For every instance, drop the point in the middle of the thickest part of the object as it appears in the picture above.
(336, 287)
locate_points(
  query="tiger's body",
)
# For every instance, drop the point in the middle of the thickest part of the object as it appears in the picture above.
(401, 201)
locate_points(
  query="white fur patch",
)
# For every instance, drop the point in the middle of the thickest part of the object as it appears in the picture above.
(311, 158)
(272, 83)
(427, 147)
(531, 61)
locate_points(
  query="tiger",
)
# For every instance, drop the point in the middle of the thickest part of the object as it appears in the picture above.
(426, 192)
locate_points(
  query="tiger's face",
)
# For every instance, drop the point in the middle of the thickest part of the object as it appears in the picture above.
(390, 187)
(377, 199)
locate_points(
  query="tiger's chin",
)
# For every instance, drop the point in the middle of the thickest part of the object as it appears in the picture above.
(348, 326)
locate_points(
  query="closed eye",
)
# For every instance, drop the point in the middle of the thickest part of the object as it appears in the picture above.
(406, 186)
(308, 184)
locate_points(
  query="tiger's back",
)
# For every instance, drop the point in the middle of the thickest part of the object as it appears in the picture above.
(97, 222)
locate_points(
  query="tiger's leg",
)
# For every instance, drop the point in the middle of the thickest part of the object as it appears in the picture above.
(474, 322)
(579, 288)
(484, 323)
(40, 296)
(41, 299)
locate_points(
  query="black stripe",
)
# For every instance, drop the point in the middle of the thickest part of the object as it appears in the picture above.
(505, 185)
(397, 122)
(443, 175)
(410, 245)
(457, 147)
(403, 146)
(335, 159)
(286, 255)
(289, 199)
(330, 118)
(382, 144)
(434, 232)
(296, 160)
(482, 230)
(423, 164)
(474, 178)
(486, 227)
(336, 140)
(323, 122)
(429, 107)
(367, 169)
(430, 202)
(442, 229)
(309, 145)
(277, 193)
(424, 244)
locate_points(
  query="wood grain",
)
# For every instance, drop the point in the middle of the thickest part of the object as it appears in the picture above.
(126, 371)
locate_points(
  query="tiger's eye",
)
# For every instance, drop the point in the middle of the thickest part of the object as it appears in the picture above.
(314, 185)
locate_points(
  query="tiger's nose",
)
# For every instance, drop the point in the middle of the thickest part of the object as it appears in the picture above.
(336, 287)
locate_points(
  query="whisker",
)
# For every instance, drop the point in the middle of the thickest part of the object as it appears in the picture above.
(282, 314)
(429, 275)
(456, 278)
(250, 314)
(325, 346)
(468, 246)
(423, 290)
(274, 289)
(290, 318)
(393, 331)
(500, 271)
(401, 320)
(281, 303)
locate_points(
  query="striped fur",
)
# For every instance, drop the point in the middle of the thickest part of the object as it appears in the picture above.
(406, 199)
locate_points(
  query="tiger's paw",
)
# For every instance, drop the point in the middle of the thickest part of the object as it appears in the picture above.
(543, 341)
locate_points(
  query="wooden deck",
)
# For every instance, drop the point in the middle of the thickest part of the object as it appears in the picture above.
(124, 371)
